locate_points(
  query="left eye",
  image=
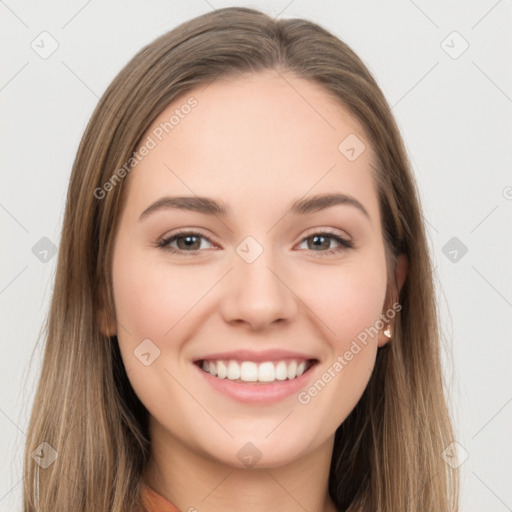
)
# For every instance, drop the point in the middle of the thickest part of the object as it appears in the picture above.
(191, 242)
(319, 240)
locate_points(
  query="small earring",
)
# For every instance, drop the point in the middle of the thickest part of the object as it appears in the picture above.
(387, 332)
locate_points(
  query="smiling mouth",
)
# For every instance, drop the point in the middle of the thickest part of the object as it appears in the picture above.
(253, 372)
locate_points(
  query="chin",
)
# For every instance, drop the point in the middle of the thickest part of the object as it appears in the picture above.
(259, 453)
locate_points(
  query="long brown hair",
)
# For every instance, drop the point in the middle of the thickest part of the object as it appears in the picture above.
(388, 453)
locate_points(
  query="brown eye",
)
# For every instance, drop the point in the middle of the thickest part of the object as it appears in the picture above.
(188, 241)
(320, 243)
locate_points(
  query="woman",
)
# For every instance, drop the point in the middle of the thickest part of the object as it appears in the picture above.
(243, 314)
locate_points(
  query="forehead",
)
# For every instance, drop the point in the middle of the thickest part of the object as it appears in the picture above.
(267, 136)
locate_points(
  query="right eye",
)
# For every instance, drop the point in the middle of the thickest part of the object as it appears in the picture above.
(185, 239)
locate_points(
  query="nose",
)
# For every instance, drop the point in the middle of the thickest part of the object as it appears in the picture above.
(258, 293)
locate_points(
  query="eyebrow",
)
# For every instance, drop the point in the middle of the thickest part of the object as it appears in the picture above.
(208, 206)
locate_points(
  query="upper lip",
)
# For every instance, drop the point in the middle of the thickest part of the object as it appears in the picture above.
(257, 356)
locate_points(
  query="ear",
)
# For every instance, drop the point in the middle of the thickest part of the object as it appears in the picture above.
(400, 275)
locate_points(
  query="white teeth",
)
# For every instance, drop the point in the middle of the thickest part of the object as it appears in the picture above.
(281, 371)
(292, 369)
(233, 370)
(301, 368)
(249, 371)
(222, 370)
(266, 372)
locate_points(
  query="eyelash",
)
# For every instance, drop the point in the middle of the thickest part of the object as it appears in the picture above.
(344, 244)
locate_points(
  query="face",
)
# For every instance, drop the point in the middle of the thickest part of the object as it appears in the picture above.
(261, 290)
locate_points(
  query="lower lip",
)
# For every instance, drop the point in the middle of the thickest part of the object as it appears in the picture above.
(258, 392)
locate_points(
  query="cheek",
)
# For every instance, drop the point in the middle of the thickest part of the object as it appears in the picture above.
(347, 298)
(151, 297)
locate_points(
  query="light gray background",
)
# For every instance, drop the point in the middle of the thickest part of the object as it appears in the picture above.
(455, 115)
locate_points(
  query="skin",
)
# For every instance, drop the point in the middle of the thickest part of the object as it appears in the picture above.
(256, 143)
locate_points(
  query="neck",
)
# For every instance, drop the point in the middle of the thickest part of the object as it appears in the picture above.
(193, 481)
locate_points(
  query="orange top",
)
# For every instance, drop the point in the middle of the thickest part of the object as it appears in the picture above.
(154, 502)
